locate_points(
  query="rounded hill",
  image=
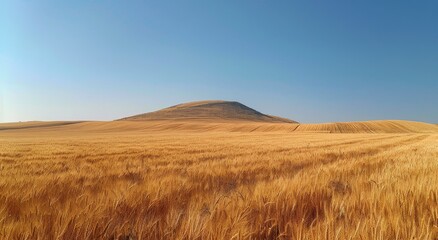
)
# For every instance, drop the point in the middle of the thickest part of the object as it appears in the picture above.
(209, 110)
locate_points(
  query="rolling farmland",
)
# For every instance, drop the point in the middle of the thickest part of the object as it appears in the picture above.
(98, 180)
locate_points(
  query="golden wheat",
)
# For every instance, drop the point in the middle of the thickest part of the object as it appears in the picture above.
(217, 185)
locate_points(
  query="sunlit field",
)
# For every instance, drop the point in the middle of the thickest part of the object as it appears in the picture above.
(217, 185)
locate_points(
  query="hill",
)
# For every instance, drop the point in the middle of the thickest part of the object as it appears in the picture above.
(209, 110)
(34, 124)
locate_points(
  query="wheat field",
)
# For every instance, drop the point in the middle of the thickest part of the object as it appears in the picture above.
(63, 184)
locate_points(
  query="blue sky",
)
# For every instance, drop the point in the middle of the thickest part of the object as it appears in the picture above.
(311, 61)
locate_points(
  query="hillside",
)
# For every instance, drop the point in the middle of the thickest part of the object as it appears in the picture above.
(170, 126)
(380, 126)
(209, 110)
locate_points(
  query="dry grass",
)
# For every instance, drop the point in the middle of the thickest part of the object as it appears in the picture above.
(217, 185)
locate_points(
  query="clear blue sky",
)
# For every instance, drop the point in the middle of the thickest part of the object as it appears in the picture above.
(311, 61)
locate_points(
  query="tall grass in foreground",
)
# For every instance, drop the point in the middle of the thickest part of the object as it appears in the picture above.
(219, 186)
